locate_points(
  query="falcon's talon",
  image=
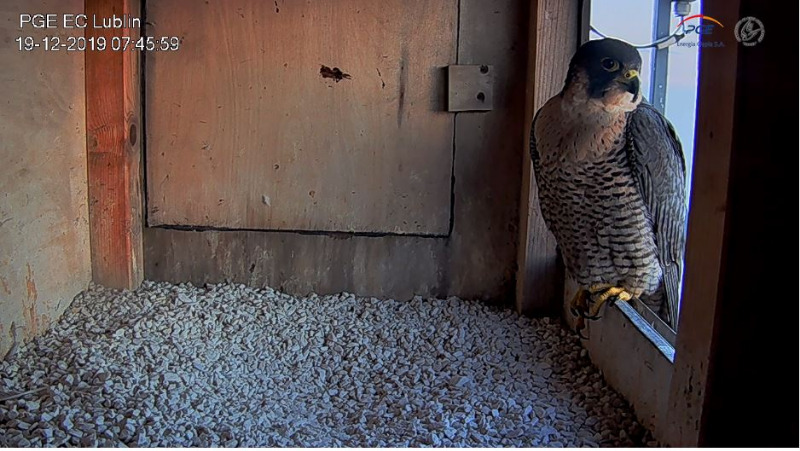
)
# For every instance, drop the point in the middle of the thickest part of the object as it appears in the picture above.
(614, 293)
(580, 325)
(584, 314)
(579, 303)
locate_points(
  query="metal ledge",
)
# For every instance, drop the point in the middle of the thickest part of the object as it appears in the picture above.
(632, 313)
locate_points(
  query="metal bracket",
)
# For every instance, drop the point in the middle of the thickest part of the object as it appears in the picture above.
(470, 88)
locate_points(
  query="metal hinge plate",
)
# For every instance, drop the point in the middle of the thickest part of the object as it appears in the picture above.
(470, 87)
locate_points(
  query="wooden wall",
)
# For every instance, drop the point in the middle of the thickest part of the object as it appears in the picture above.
(751, 391)
(476, 260)
(44, 233)
(266, 141)
(716, 103)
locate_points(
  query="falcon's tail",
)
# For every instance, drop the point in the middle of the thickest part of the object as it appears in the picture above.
(672, 286)
(664, 302)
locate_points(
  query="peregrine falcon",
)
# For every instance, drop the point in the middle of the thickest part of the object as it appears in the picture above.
(611, 177)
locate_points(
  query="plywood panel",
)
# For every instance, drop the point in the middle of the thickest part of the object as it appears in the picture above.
(244, 131)
(477, 260)
(44, 231)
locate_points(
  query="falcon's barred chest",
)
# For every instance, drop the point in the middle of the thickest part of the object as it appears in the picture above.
(589, 198)
(611, 180)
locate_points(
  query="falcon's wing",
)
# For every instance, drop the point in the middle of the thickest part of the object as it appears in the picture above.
(533, 151)
(537, 168)
(656, 157)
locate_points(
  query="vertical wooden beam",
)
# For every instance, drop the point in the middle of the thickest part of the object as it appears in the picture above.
(705, 240)
(113, 127)
(554, 37)
(744, 377)
(584, 21)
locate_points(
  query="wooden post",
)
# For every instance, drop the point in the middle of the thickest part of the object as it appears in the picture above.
(554, 37)
(751, 366)
(113, 141)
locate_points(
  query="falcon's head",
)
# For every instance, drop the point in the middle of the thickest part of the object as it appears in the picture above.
(606, 71)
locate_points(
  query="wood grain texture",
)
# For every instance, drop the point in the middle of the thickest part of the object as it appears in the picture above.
(244, 132)
(477, 260)
(44, 227)
(554, 37)
(113, 122)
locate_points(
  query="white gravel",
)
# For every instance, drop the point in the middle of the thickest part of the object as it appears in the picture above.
(228, 365)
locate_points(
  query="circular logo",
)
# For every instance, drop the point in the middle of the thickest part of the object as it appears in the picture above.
(749, 31)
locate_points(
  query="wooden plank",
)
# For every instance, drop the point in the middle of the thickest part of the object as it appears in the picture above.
(390, 266)
(630, 363)
(487, 163)
(265, 141)
(113, 123)
(753, 367)
(44, 225)
(554, 37)
(477, 260)
(584, 21)
(704, 248)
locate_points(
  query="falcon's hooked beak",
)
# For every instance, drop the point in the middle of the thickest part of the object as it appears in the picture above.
(630, 80)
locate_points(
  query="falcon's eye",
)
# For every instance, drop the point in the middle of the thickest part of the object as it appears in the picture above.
(609, 64)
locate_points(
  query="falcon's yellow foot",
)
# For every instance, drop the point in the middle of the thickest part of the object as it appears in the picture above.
(599, 294)
(603, 295)
(583, 310)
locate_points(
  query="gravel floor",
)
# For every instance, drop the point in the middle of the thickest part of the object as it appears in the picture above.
(177, 365)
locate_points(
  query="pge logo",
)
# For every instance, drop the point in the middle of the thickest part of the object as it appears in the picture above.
(704, 26)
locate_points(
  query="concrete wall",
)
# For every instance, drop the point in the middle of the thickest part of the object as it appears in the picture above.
(44, 230)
